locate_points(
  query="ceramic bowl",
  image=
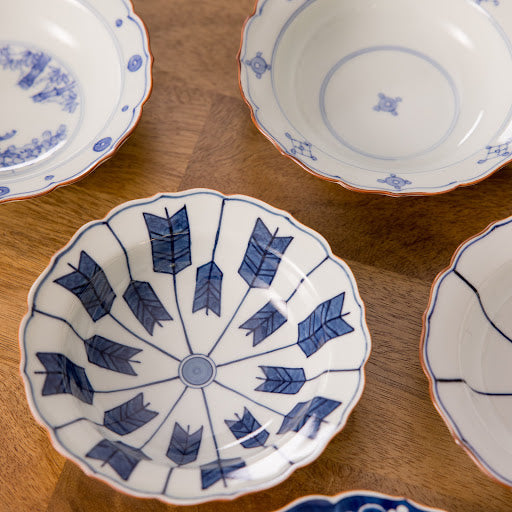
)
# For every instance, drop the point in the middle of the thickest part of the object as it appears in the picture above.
(73, 78)
(467, 348)
(356, 501)
(194, 346)
(394, 97)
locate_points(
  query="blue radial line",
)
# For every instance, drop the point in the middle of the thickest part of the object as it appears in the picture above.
(477, 294)
(341, 370)
(140, 338)
(164, 490)
(139, 386)
(248, 398)
(218, 229)
(72, 422)
(256, 355)
(304, 279)
(123, 249)
(229, 323)
(474, 390)
(180, 315)
(166, 417)
(60, 319)
(213, 436)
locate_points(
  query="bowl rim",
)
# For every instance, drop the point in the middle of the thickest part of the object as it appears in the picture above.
(125, 134)
(334, 499)
(443, 413)
(112, 482)
(340, 181)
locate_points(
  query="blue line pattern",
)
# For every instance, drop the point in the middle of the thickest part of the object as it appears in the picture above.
(301, 148)
(395, 182)
(114, 351)
(499, 151)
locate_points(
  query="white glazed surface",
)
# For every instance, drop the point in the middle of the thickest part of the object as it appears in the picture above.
(258, 436)
(397, 97)
(467, 348)
(73, 78)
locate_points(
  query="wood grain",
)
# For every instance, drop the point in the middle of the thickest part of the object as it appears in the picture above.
(196, 132)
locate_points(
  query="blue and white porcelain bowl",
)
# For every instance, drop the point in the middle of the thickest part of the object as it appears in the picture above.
(194, 346)
(356, 501)
(74, 75)
(467, 348)
(395, 97)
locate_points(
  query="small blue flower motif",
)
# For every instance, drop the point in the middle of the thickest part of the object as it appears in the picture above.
(134, 63)
(387, 104)
(49, 177)
(301, 147)
(4, 191)
(102, 144)
(395, 181)
(258, 64)
(125, 108)
(119, 22)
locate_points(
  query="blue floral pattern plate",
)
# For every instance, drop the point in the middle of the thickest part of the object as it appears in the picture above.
(356, 501)
(467, 348)
(73, 79)
(355, 96)
(194, 346)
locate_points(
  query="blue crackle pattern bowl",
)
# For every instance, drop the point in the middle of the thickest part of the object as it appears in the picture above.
(356, 501)
(194, 346)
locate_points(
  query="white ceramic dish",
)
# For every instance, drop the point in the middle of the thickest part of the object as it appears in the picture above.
(356, 501)
(395, 97)
(467, 348)
(74, 75)
(194, 346)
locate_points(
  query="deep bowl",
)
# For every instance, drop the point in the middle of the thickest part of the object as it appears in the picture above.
(356, 501)
(467, 348)
(74, 75)
(395, 97)
(194, 346)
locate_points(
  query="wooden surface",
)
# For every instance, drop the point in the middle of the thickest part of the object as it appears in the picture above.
(196, 132)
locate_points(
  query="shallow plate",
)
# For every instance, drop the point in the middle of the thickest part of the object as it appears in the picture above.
(356, 501)
(74, 75)
(467, 348)
(394, 97)
(194, 346)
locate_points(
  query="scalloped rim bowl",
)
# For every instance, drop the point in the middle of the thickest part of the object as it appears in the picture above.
(194, 346)
(466, 348)
(356, 501)
(356, 96)
(74, 77)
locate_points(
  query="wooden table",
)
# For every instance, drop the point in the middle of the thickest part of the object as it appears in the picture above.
(196, 132)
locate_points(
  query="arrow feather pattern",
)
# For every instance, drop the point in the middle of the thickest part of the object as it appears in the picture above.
(127, 417)
(110, 355)
(249, 429)
(208, 288)
(265, 322)
(145, 305)
(121, 457)
(288, 381)
(184, 446)
(220, 469)
(65, 377)
(324, 324)
(262, 256)
(170, 241)
(315, 411)
(90, 284)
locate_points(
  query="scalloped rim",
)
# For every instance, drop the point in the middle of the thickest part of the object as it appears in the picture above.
(403, 193)
(349, 494)
(122, 137)
(193, 500)
(473, 454)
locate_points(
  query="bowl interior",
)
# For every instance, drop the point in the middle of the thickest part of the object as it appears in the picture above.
(398, 82)
(60, 81)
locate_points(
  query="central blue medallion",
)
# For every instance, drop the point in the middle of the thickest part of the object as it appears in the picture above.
(197, 371)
